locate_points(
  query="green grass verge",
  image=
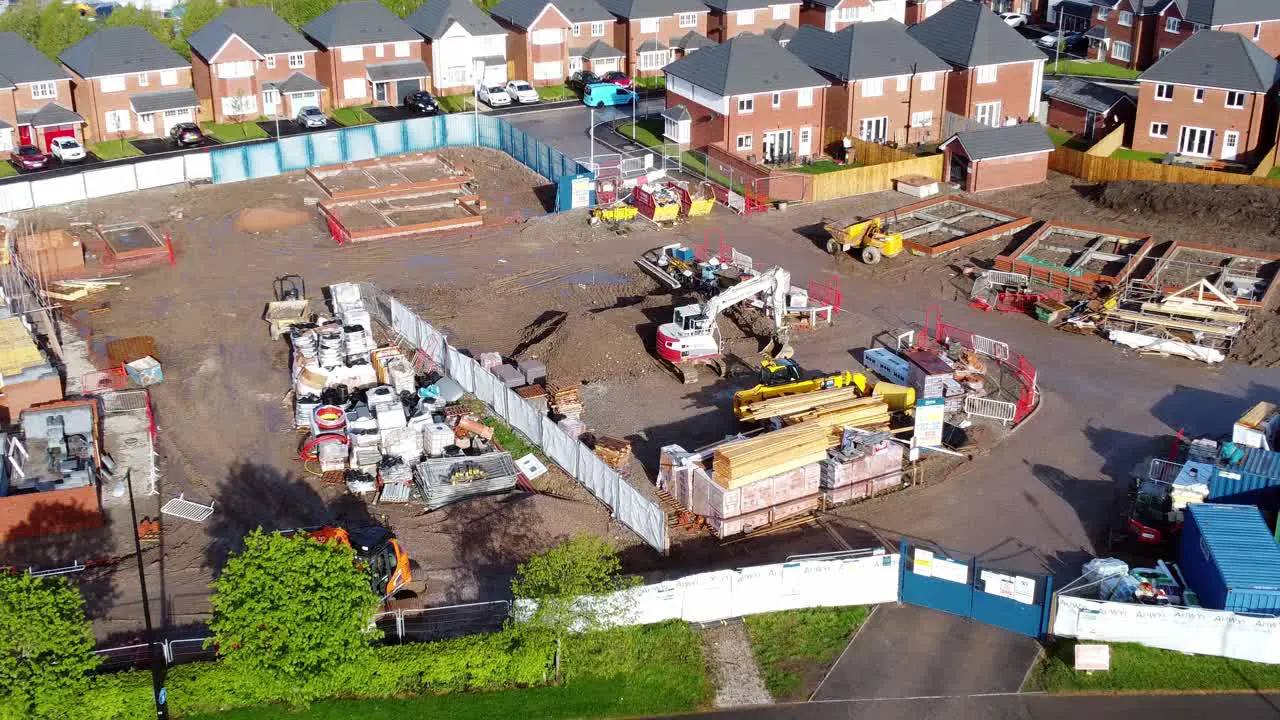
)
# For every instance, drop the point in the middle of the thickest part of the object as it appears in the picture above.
(552, 93)
(823, 166)
(7, 169)
(349, 116)
(114, 149)
(1275, 173)
(234, 132)
(796, 647)
(649, 133)
(1127, 154)
(455, 103)
(651, 83)
(1140, 668)
(1090, 68)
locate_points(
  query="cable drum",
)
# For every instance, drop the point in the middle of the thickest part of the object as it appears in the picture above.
(329, 419)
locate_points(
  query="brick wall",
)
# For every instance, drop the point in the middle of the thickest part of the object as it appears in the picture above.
(1183, 110)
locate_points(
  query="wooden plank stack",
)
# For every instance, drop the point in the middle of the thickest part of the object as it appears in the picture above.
(792, 404)
(615, 453)
(566, 402)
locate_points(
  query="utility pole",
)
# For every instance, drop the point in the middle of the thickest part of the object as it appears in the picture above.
(158, 666)
(1057, 46)
(592, 132)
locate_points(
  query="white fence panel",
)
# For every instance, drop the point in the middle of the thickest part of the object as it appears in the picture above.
(991, 348)
(988, 408)
(55, 191)
(404, 322)
(109, 181)
(15, 196)
(600, 478)
(562, 449)
(641, 515)
(156, 173)
(524, 417)
(198, 166)
(460, 370)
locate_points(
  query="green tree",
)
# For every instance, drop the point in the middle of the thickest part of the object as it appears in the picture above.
(159, 27)
(46, 647)
(23, 19)
(402, 8)
(295, 12)
(199, 13)
(60, 27)
(293, 606)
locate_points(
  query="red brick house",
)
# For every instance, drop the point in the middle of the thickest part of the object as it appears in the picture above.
(997, 158)
(35, 98)
(652, 33)
(367, 55)
(1088, 109)
(917, 11)
(885, 86)
(1212, 97)
(729, 18)
(836, 15)
(247, 63)
(749, 97)
(126, 84)
(1137, 33)
(547, 42)
(996, 75)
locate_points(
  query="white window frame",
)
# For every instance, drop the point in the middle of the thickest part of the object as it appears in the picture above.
(781, 11)
(271, 62)
(550, 70)
(687, 20)
(1125, 19)
(379, 50)
(903, 83)
(597, 29)
(649, 25)
(924, 118)
(351, 53)
(1164, 92)
(1104, 13)
(168, 77)
(6, 139)
(986, 74)
(1227, 103)
(121, 118)
(740, 145)
(1154, 130)
(847, 14)
(350, 86)
(872, 87)
(44, 90)
(1172, 25)
(993, 117)
(746, 104)
(653, 60)
(112, 83)
(235, 70)
(576, 30)
(745, 17)
(1163, 52)
(775, 101)
(928, 81)
(401, 49)
(1198, 95)
(144, 79)
(804, 97)
(297, 61)
(249, 109)
(1122, 51)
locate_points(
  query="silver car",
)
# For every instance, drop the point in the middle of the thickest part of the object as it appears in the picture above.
(311, 117)
(495, 96)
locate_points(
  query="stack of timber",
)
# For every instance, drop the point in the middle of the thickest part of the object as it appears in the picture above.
(863, 413)
(791, 405)
(740, 463)
(614, 453)
(566, 402)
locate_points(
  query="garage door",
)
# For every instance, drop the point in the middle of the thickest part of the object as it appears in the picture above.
(604, 65)
(301, 100)
(173, 117)
(495, 75)
(50, 133)
(406, 87)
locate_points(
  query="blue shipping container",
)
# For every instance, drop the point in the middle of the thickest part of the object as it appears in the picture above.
(1253, 480)
(1230, 559)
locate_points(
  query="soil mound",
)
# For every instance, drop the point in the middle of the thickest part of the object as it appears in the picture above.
(1225, 205)
(269, 219)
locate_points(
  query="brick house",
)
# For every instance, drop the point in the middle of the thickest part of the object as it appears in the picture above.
(729, 18)
(547, 42)
(127, 84)
(458, 35)
(997, 158)
(917, 11)
(1209, 98)
(367, 55)
(836, 15)
(247, 63)
(1136, 33)
(1088, 109)
(885, 86)
(996, 73)
(35, 98)
(652, 33)
(749, 97)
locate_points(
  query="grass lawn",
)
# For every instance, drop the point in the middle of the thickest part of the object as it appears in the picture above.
(352, 116)
(1090, 68)
(234, 132)
(796, 647)
(1058, 136)
(455, 103)
(1275, 173)
(1127, 154)
(114, 149)
(823, 166)
(1140, 668)
(7, 169)
(658, 82)
(552, 93)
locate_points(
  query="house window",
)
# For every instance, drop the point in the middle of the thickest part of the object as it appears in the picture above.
(1103, 13)
(240, 105)
(1160, 130)
(352, 54)
(117, 120)
(1171, 25)
(378, 51)
(44, 90)
(597, 29)
(847, 15)
(904, 81)
(745, 17)
(744, 142)
(144, 79)
(402, 49)
(1164, 91)
(296, 60)
(688, 20)
(1235, 99)
(1257, 31)
(577, 30)
(654, 60)
(1126, 18)
(804, 97)
(781, 12)
(873, 87)
(777, 100)
(353, 88)
(1122, 51)
(456, 75)
(6, 140)
(986, 74)
(271, 62)
(1165, 51)
(229, 70)
(114, 83)
(988, 113)
(746, 105)
(922, 119)
(928, 81)
(649, 25)
(168, 77)
(547, 71)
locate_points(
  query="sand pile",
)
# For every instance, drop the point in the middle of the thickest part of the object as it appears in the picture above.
(269, 219)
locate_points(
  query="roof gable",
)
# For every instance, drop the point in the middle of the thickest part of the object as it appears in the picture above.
(21, 63)
(967, 34)
(864, 50)
(524, 13)
(120, 50)
(258, 27)
(433, 18)
(1213, 58)
(358, 23)
(745, 65)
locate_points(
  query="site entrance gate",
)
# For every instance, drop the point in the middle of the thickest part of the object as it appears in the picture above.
(940, 579)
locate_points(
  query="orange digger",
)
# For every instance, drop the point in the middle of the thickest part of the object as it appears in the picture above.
(377, 550)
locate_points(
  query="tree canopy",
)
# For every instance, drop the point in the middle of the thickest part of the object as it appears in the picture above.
(557, 579)
(46, 647)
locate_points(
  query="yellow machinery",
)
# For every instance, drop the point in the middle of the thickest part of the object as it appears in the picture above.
(869, 235)
(765, 391)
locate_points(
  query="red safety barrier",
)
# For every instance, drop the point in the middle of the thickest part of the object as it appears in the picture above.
(1024, 303)
(103, 380)
(1022, 369)
(827, 293)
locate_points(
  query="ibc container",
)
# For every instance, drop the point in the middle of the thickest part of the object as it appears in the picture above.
(1230, 559)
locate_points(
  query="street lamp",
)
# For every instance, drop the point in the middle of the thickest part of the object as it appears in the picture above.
(159, 692)
(477, 69)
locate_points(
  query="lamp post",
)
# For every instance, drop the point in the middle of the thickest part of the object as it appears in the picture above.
(159, 692)
(592, 132)
(477, 69)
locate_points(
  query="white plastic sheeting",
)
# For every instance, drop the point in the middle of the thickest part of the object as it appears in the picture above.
(562, 449)
(94, 181)
(1189, 630)
(57, 191)
(15, 196)
(524, 417)
(109, 181)
(157, 173)
(198, 166)
(458, 367)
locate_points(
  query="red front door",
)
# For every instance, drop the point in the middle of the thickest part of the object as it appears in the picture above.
(24, 135)
(56, 132)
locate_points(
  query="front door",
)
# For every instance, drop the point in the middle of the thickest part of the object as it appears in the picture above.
(270, 102)
(380, 92)
(1090, 118)
(805, 146)
(1230, 143)
(874, 129)
(24, 135)
(1195, 141)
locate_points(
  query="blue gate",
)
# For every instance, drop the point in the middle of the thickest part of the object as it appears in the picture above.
(940, 579)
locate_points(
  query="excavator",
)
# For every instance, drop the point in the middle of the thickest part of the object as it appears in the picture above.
(377, 552)
(867, 234)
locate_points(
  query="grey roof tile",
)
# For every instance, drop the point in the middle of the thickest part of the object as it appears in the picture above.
(967, 34)
(735, 5)
(599, 50)
(259, 27)
(402, 70)
(1213, 58)
(783, 33)
(677, 112)
(746, 64)
(628, 9)
(21, 63)
(49, 114)
(990, 143)
(296, 83)
(161, 100)
(1085, 94)
(522, 13)
(693, 40)
(865, 50)
(651, 45)
(120, 50)
(1098, 32)
(1227, 12)
(434, 17)
(358, 23)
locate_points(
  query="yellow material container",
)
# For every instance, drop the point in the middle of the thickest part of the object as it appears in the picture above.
(899, 398)
(666, 213)
(701, 207)
(617, 214)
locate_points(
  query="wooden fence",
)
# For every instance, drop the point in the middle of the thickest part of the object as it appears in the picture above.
(874, 177)
(1267, 165)
(1108, 144)
(1105, 169)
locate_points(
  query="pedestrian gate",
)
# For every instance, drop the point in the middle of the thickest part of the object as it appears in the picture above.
(936, 578)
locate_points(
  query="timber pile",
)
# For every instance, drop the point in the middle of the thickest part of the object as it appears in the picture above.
(740, 463)
(866, 413)
(72, 290)
(791, 405)
(614, 453)
(566, 402)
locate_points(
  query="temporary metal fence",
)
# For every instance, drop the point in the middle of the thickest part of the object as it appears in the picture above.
(1000, 410)
(1012, 367)
(631, 508)
(442, 623)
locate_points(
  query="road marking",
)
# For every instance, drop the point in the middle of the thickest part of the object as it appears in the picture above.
(910, 698)
(842, 653)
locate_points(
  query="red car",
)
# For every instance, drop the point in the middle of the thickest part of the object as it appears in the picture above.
(618, 78)
(29, 157)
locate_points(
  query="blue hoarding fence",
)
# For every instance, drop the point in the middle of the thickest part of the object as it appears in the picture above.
(365, 142)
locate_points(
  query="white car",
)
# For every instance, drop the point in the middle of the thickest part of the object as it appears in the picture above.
(1013, 19)
(494, 96)
(66, 149)
(522, 92)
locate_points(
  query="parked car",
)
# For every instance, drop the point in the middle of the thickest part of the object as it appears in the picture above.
(1014, 19)
(66, 149)
(494, 96)
(29, 157)
(618, 78)
(1070, 40)
(522, 92)
(606, 93)
(579, 81)
(311, 117)
(187, 134)
(421, 101)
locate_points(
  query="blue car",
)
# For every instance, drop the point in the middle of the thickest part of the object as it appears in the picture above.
(606, 93)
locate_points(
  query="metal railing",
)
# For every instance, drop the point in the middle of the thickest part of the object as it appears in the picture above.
(1000, 410)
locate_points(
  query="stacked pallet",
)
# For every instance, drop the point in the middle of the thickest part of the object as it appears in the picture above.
(535, 395)
(793, 404)
(739, 463)
(566, 402)
(614, 453)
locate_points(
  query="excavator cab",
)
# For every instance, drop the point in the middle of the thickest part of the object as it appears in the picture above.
(778, 372)
(378, 554)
